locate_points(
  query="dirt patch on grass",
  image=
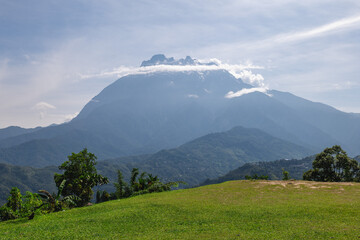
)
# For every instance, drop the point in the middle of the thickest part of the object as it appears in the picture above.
(310, 184)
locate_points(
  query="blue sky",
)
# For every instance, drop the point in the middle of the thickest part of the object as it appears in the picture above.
(309, 48)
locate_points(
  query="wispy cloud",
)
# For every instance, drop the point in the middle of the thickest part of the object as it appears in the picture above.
(192, 96)
(343, 24)
(244, 91)
(43, 106)
(242, 71)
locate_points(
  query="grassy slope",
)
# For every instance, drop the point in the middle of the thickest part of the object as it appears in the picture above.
(231, 210)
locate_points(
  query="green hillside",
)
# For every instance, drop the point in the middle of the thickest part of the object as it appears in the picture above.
(26, 179)
(212, 155)
(231, 210)
(272, 169)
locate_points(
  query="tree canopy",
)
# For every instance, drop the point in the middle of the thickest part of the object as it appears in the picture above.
(333, 165)
(80, 175)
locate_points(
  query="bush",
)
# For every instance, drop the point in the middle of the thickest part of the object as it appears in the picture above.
(286, 175)
(19, 206)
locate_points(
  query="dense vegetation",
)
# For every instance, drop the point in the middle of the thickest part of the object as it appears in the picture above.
(209, 156)
(333, 165)
(75, 189)
(213, 155)
(79, 177)
(26, 179)
(231, 210)
(272, 169)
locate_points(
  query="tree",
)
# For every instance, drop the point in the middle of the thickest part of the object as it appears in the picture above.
(285, 175)
(141, 184)
(120, 186)
(80, 175)
(19, 206)
(333, 165)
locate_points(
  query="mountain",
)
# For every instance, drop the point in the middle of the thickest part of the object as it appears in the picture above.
(209, 156)
(272, 169)
(26, 179)
(14, 131)
(345, 127)
(146, 112)
(213, 155)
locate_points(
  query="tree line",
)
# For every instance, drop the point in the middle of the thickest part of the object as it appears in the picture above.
(80, 176)
(75, 189)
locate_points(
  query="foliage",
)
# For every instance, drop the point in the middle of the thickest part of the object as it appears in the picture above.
(19, 206)
(81, 176)
(120, 185)
(273, 169)
(333, 165)
(26, 179)
(141, 184)
(102, 196)
(256, 177)
(53, 203)
(286, 175)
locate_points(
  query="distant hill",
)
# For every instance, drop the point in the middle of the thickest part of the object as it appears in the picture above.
(144, 113)
(213, 155)
(272, 169)
(26, 179)
(15, 131)
(209, 156)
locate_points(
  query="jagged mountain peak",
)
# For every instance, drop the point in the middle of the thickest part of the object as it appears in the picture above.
(161, 59)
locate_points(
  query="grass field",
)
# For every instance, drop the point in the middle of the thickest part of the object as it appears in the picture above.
(231, 210)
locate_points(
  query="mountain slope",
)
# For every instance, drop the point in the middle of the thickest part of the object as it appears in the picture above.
(272, 169)
(209, 156)
(144, 113)
(214, 155)
(14, 131)
(339, 125)
(26, 179)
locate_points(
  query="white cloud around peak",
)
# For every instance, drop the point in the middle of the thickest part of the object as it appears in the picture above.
(242, 71)
(244, 91)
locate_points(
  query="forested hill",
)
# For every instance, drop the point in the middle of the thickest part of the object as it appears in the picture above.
(214, 154)
(272, 169)
(209, 156)
(26, 179)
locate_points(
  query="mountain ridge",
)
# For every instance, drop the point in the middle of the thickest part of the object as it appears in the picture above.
(144, 113)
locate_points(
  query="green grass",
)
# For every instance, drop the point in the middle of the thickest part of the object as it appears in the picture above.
(231, 210)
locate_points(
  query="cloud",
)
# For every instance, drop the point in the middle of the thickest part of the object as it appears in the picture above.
(238, 70)
(345, 23)
(43, 106)
(253, 79)
(69, 117)
(192, 96)
(244, 91)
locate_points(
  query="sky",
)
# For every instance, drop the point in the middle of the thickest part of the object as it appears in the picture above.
(57, 55)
